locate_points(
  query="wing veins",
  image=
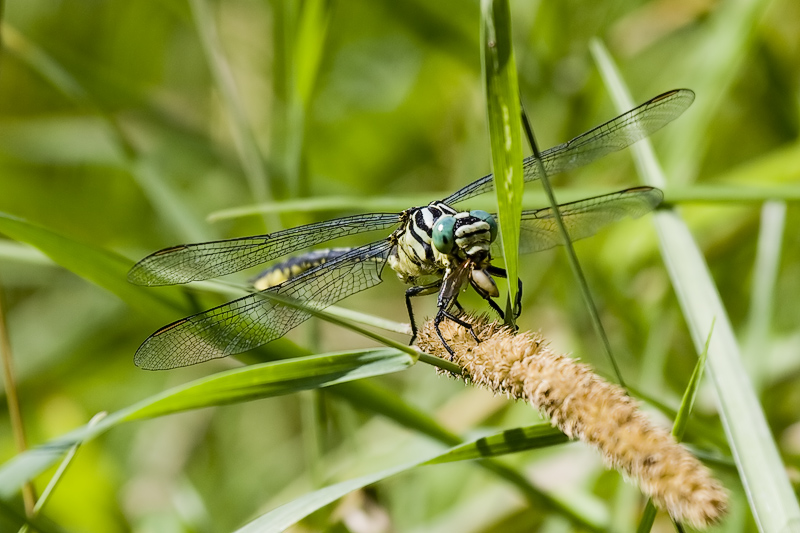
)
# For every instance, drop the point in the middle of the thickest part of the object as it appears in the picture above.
(253, 320)
(194, 262)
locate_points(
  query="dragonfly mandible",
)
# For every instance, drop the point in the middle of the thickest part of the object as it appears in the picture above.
(452, 254)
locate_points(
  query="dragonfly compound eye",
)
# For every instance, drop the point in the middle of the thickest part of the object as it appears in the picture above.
(489, 219)
(444, 238)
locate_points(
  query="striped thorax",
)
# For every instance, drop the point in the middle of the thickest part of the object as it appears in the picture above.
(432, 239)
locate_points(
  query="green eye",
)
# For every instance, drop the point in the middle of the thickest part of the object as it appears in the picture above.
(443, 234)
(489, 219)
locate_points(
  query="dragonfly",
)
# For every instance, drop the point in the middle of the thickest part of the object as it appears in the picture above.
(434, 248)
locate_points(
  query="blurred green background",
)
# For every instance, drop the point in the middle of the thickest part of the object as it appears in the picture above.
(124, 124)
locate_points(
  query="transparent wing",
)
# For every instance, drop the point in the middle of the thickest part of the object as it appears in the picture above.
(193, 262)
(253, 320)
(538, 230)
(614, 135)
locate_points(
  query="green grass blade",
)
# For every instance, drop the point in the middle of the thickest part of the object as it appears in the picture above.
(306, 56)
(283, 517)
(717, 193)
(762, 294)
(101, 267)
(714, 66)
(246, 146)
(510, 441)
(648, 517)
(237, 385)
(502, 100)
(772, 500)
(689, 396)
(39, 524)
(58, 476)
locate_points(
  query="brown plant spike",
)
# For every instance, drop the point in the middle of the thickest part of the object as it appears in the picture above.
(586, 407)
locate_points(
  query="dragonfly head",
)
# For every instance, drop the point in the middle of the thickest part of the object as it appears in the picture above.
(466, 235)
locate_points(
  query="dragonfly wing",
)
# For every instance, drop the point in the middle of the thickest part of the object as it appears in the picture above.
(614, 135)
(193, 262)
(538, 229)
(253, 320)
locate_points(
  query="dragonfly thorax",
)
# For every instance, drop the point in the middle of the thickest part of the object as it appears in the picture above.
(413, 255)
(432, 238)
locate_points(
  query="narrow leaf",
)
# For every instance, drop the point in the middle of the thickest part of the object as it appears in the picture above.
(510, 441)
(502, 100)
(238, 385)
(99, 266)
(772, 500)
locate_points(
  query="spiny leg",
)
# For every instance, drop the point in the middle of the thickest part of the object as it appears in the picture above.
(501, 272)
(441, 315)
(485, 295)
(419, 290)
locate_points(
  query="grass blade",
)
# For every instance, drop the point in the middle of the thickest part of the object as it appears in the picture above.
(762, 295)
(101, 267)
(237, 385)
(510, 441)
(502, 100)
(772, 500)
(246, 146)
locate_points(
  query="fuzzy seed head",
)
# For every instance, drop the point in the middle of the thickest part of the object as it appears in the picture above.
(585, 407)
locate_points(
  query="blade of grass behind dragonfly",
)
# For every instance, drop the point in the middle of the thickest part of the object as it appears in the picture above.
(309, 46)
(246, 146)
(761, 470)
(502, 101)
(58, 476)
(730, 34)
(762, 295)
(106, 269)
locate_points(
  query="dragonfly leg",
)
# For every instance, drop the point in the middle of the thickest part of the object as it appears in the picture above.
(420, 290)
(501, 273)
(440, 316)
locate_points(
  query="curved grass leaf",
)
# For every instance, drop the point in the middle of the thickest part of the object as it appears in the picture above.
(509, 441)
(104, 268)
(772, 500)
(237, 385)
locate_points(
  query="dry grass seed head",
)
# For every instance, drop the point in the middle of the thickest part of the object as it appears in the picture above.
(586, 407)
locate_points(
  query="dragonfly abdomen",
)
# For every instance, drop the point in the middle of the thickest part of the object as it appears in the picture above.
(294, 266)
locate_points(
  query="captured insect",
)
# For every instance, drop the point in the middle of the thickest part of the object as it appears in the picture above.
(435, 249)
